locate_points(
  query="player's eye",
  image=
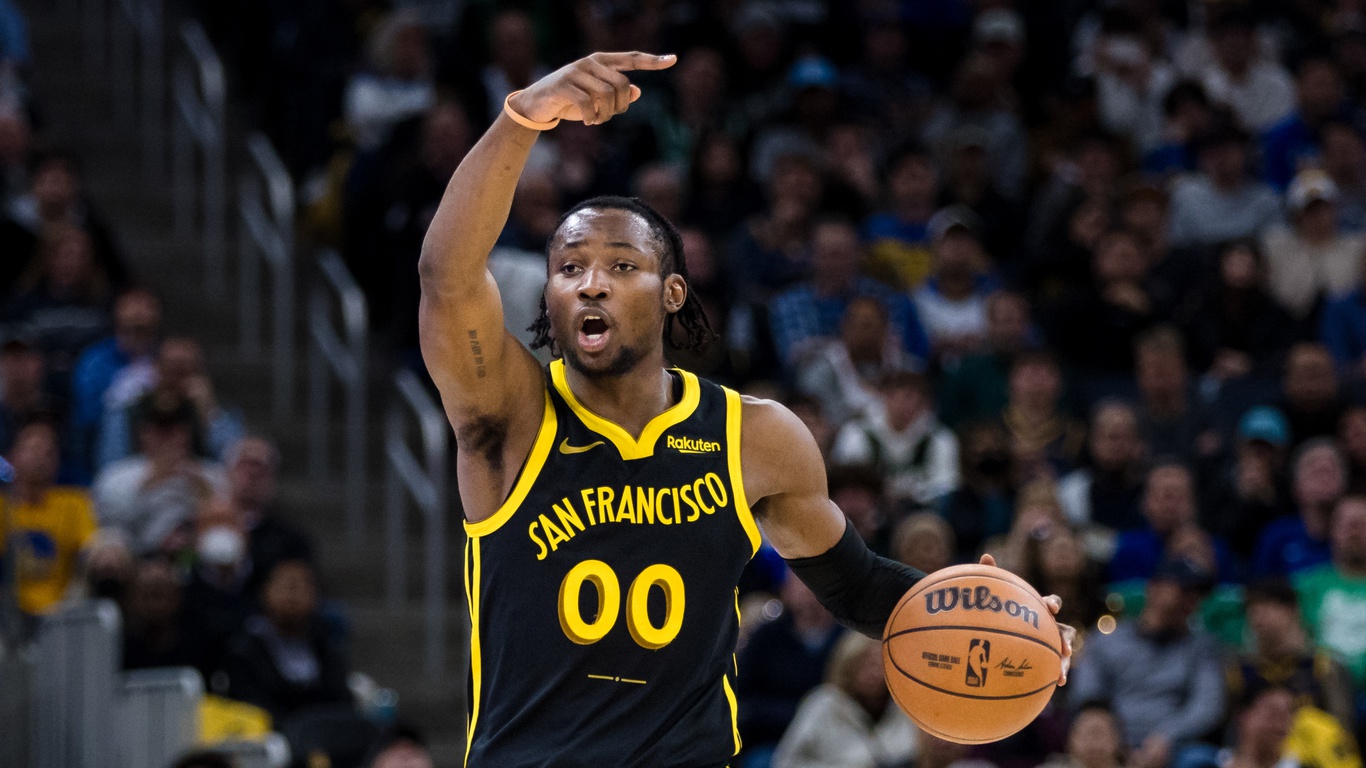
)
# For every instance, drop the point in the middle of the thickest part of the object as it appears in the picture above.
(570, 269)
(625, 267)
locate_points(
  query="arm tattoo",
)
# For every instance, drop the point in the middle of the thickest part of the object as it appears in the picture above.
(478, 350)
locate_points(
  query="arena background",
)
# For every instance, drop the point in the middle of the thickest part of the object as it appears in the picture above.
(1076, 282)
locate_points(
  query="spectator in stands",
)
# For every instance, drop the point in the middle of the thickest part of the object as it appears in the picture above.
(976, 388)
(844, 372)
(1343, 329)
(155, 492)
(1294, 142)
(22, 397)
(398, 85)
(784, 659)
(137, 328)
(982, 507)
(1311, 393)
(1312, 259)
(1333, 594)
(924, 541)
(979, 101)
(154, 632)
(900, 436)
(1169, 417)
(698, 105)
(56, 200)
(769, 251)
(1106, 492)
(971, 180)
(1037, 513)
(1262, 727)
(402, 746)
(1282, 656)
(1120, 303)
(283, 661)
(1291, 544)
(660, 185)
(515, 63)
(1251, 490)
(1259, 90)
(253, 465)
(1237, 328)
(64, 300)
(1093, 741)
(720, 193)
(109, 565)
(898, 238)
(857, 490)
(810, 312)
(952, 301)
(179, 372)
(849, 720)
(44, 527)
(1042, 437)
(218, 596)
(1186, 114)
(804, 123)
(1344, 159)
(1223, 201)
(1131, 82)
(808, 409)
(1169, 507)
(1163, 679)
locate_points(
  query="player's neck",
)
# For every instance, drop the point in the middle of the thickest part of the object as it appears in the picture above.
(629, 400)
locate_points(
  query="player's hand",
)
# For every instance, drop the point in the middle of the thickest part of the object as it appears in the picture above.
(1069, 633)
(592, 89)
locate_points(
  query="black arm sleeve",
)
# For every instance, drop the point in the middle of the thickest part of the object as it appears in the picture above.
(859, 587)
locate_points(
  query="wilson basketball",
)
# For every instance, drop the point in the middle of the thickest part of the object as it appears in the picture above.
(972, 654)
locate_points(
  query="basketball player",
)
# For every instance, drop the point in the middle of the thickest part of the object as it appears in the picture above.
(611, 502)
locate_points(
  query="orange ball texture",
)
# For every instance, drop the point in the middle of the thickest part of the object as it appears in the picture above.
(972, 654)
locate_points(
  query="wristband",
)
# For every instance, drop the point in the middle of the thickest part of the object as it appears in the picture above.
(523, 120)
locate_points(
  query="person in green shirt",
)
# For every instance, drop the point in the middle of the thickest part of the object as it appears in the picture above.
(1333, 595)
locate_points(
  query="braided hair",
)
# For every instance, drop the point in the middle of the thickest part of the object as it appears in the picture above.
(698, 333)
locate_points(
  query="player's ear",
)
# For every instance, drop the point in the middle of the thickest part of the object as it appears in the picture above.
(675, 293)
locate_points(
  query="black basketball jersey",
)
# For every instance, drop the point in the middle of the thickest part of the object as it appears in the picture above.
(602, 593)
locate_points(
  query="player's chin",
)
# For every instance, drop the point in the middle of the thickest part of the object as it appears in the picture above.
(600, 361)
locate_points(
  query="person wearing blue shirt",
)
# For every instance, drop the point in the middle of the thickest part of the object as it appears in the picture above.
(811, 310)
(1169, 509)
(1293, 143)
(1292, 544)
(137, 328)
(1343, 329)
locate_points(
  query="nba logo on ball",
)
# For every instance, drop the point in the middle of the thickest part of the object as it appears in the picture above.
(972, 654)
(979, 655)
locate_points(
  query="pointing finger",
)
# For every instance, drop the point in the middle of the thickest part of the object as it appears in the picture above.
(626, 62)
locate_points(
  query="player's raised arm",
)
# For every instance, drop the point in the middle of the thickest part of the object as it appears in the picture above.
(482, 370)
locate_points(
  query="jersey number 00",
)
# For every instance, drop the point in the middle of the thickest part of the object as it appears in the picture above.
(604, 580)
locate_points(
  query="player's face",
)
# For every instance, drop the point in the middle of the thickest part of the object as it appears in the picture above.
(605, 296)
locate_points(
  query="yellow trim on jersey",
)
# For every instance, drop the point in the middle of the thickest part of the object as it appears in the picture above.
(545, 438)
(629, 447)
(472, 585)
(734, 711)
(737, 478)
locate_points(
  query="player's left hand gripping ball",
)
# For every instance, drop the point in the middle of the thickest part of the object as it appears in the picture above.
(593, 89)
(1069, 633)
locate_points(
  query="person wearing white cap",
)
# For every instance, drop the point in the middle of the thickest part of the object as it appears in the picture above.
(1311, 259)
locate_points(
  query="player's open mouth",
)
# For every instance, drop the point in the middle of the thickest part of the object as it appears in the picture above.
(593, 333)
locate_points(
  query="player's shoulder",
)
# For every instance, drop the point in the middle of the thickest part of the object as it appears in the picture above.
(764, 417)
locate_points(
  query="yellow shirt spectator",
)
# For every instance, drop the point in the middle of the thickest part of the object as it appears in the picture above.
(45, 540)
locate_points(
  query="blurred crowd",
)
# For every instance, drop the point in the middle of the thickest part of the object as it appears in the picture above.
(127, 479)
(1078, 283)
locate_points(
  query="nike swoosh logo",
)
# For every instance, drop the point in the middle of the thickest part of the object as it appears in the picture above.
(565, 447)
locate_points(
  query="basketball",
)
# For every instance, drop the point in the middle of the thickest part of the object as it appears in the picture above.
(972, 654)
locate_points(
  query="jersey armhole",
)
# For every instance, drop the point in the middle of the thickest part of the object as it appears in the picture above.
(737, 478)
(531, 470)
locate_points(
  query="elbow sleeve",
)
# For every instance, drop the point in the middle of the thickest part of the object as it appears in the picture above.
(858, 587)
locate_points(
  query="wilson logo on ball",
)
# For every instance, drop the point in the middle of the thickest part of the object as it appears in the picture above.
(978, 599)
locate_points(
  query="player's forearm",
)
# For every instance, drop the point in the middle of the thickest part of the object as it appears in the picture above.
(858, 587)
(475, 206)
